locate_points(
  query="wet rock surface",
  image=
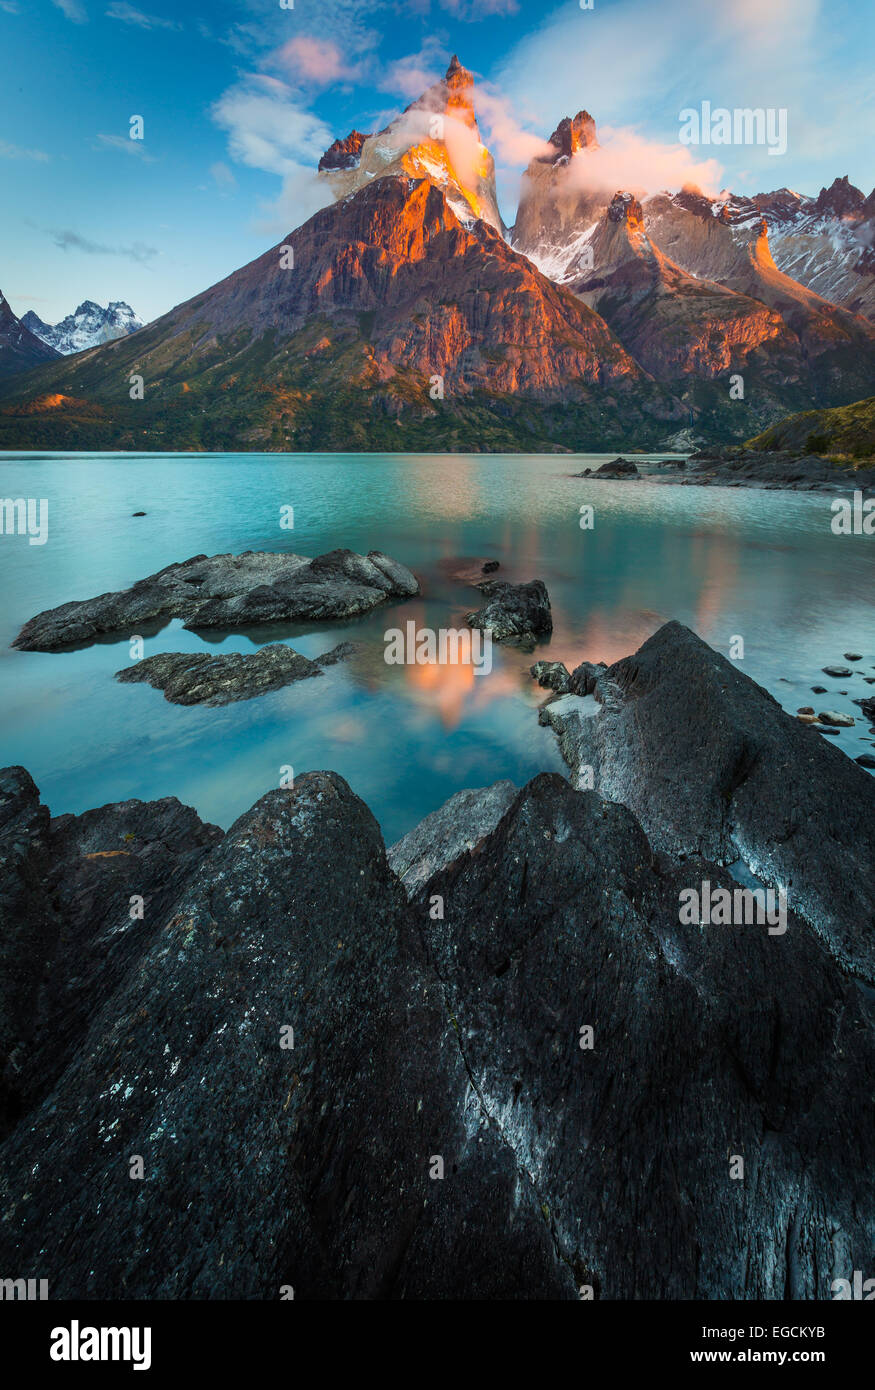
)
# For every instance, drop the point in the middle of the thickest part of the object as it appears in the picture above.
(454, 1041)
(268, 1166)
(705, 1046)
(552, 675)
(229, 591)
(80, 899)
(514, 613)
(712, 766)
(454, 828)
(781, 469)
(614, 468)
(201, 678)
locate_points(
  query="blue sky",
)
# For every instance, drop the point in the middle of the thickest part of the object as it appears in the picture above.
(240, 97)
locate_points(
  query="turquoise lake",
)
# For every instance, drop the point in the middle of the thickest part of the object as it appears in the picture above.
(764, 566)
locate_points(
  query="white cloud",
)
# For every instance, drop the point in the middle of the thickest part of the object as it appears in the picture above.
(626, 160)
(72, 9)
(8, 151)
(128, 14)
(638, 64)
(268, 128)
(125, 145)
(223, 176)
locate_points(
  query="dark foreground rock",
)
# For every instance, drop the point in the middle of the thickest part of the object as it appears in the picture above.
(227, 592)
(204, 678)
(72, 922)
(514, 613)
(427, 1042)
(268, 1165)
(712, 766)
(454, 828)
(707, 1044)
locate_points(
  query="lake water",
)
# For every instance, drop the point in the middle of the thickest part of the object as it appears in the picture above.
(764, 566)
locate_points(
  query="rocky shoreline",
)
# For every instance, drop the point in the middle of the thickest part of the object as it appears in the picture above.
(744, 468)
(365, 1074)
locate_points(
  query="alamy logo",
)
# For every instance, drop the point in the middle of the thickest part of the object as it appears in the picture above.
(857, 1290)
(25, 517)
(423, 646)
(853, 518)
(744, 125)
(75, 1343)
(740, 907)
(25, 1289)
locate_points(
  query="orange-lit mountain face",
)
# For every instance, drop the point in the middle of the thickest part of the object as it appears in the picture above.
(679, 325)
(436, 138)
(402, 317)
(555, 214)
(689, 284)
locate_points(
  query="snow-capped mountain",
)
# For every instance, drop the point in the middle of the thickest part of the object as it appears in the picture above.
(413, 321)
(826, 243)
(436, 138)
(87, 327)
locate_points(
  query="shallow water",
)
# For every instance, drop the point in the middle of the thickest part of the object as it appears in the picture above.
(764, 566)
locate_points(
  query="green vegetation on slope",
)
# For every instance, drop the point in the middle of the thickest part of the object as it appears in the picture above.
(846, 432)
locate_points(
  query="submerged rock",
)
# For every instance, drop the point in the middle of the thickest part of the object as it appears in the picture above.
(514, 613)
(552, 675)
(229, 591)
(836, 719)
(206, 678)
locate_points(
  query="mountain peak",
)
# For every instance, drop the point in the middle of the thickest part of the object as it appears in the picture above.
(88, 325)
(625, 207)
(435, 138)
(572, 134)
(840, 198)
(344, 154)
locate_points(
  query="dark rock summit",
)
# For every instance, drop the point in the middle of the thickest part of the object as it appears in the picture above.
(344, 154)
(229, 591)
(202, 678)
(454, 828)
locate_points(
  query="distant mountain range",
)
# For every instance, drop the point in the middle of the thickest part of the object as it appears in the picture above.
(86, 327)
(407, 316)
